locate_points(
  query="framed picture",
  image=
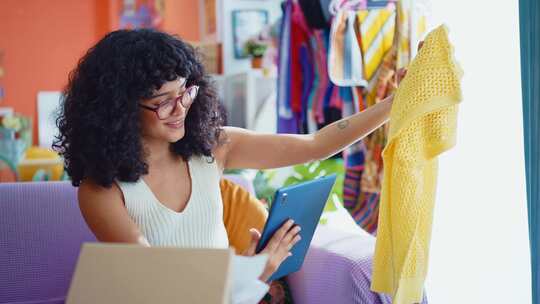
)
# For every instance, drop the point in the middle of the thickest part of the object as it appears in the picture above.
(246, 24)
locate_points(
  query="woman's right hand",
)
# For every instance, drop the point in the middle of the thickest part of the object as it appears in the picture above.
(277, 249)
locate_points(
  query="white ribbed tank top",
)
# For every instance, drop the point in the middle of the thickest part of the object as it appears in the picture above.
(199, 225)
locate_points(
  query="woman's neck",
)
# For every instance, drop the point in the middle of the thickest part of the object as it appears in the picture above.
(159, 153)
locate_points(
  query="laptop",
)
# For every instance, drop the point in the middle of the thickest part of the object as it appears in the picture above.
(110, 273)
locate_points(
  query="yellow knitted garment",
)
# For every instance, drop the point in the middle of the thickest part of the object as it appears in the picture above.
(422, 126)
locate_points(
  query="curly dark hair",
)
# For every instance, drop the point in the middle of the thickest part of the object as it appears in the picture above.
(98, 119)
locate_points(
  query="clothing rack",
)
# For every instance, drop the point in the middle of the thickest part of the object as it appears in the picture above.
(308, 99)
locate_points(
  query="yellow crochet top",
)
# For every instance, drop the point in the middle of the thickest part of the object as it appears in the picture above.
(422, 126)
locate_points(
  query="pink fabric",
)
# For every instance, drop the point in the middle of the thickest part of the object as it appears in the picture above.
(323, 78)
(300, 33)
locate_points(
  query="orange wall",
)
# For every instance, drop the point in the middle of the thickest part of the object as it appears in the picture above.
(182, 18)
(43, 39)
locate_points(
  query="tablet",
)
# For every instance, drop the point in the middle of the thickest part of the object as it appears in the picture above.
(304, 203)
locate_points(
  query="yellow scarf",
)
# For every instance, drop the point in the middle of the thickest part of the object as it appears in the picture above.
(422, 126)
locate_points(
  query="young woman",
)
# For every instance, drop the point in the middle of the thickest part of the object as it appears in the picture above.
(143, 138)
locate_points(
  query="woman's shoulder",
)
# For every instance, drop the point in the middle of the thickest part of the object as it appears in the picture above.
(105, 214)
(210, 163)
(90, 191)
(219, 152)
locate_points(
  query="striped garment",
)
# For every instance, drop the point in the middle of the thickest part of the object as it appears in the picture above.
(377, 28)
(344, 54)
(383, 43)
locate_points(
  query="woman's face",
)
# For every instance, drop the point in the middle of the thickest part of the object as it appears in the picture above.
(168, 127)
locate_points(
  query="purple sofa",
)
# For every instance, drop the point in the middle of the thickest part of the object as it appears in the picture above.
(41, 232)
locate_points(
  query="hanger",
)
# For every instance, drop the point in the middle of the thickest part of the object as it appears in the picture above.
(380, 3)
(353, 5)
(337, 5)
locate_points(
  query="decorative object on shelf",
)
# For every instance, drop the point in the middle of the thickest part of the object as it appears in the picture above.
(15, 138)
(255, 48)
(246, 24)
(142, 14)
(40, 164)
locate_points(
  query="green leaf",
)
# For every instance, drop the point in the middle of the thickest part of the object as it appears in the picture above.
(303, 173)
(233, 171)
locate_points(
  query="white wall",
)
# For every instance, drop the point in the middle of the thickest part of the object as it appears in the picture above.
(231, 65)
(480, 249)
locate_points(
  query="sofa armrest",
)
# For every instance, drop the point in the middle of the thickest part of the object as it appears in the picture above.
(337, 269)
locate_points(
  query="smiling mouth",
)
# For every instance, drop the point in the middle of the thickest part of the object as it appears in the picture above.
(175, 124)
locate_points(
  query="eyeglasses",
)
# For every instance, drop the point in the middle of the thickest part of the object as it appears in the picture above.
(165, 109)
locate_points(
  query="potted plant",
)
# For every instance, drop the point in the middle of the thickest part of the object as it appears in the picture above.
(255, 48)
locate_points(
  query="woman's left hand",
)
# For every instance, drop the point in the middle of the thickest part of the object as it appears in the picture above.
(401, 73)
(278, 247)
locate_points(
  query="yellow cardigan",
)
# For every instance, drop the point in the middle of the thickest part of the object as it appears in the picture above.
(422, 126)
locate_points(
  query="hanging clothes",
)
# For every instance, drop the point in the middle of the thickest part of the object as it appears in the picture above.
(300, 33)
(419, 11)
(365, 204)
(286, 122)
(345, 57)
(403, 28)
(307, 98)
(363, 162)
(314, 14)
(295, 68)
(363, 180)
(377, 28)
(325, 7)
(422, 126)
(326, 74)
(320, 84)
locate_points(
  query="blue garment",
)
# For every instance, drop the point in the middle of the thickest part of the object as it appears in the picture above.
(346, 95)
(307, 73)
(286, 122)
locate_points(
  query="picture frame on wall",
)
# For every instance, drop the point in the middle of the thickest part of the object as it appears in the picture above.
(246, 23)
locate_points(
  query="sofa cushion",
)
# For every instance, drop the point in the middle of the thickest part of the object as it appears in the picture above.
(241, 212)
